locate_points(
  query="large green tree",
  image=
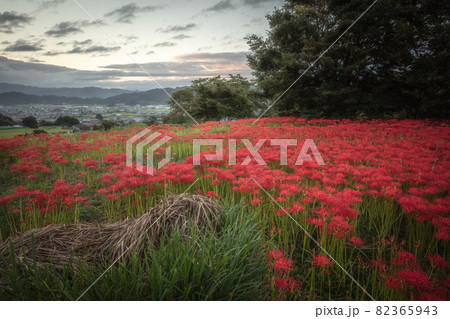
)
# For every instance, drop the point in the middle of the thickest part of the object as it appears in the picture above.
(214, 99)
(30, 121)
(67, 120)
(6, 120)
(393, 61)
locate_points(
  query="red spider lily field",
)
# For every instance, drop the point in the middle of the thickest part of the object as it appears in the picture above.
(373, 222)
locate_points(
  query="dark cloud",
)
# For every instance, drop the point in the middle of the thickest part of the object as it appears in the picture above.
(82, 43)
(177, 28)
(127, 13)
(165, 44)
(170, 74)
(10, 20)
(193, 65)
(93, 49)
(34, 60)
(150, 52)
(65, 28)
(25, 46)
(128, 38)
(84, 47)
(49, 4)
(230, 57)
(181, 36)
(17, 66)
(204, 48)
(221, 6)
(26, 73)
(256, 3)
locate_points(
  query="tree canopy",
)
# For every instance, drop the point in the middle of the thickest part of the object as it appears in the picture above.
(392, 62)
(6, 120)
(30, 121)
(67, 120)
(214, 99)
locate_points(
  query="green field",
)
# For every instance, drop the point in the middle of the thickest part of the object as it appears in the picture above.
(21, 131)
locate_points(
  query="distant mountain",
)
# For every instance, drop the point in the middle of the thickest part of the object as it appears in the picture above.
(156, 96)
(150, 97)
(86, 92)
(17, 98)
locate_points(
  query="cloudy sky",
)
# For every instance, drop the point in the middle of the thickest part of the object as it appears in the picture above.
(77, 43)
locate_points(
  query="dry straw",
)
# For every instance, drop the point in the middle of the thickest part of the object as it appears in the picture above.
(56, 245)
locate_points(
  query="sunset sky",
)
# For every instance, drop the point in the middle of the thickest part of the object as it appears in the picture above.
(55, 43)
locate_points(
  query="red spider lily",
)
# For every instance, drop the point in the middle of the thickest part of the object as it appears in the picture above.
(356, 241)
(405, 260)
(322, 261)
(286, 285)
(379, 265)
(416, 278)
(397, 165)
(437, 261)
(256, 202)
(212, 194)
(296, 208)
(339, 227)
(79, 186)
(283, 265)
(276, 254)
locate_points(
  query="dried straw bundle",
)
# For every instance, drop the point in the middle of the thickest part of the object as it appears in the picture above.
(56, 245)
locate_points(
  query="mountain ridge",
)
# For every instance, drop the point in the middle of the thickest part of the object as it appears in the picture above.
(152, 97)
(83, 92)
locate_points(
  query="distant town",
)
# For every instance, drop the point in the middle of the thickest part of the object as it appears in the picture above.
(121, 113)
(28, 109)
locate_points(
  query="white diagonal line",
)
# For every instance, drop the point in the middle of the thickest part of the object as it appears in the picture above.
(132, 59)
(132, 244)
(315, 241)
(312, 64)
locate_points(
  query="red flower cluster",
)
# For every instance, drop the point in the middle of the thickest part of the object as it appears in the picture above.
(391, 167)
(282, 266)
(322, 261)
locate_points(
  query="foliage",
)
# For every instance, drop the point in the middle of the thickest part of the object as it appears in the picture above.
(214, 99)
(40, 132)
(67, 120)
(107, 125)
(30, 121)
(392, 62)
(151, 120)
(47, 123)
(6, 120)
(175, 117)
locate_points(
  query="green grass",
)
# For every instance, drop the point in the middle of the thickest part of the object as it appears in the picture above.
(21, 131)
(226, 264)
